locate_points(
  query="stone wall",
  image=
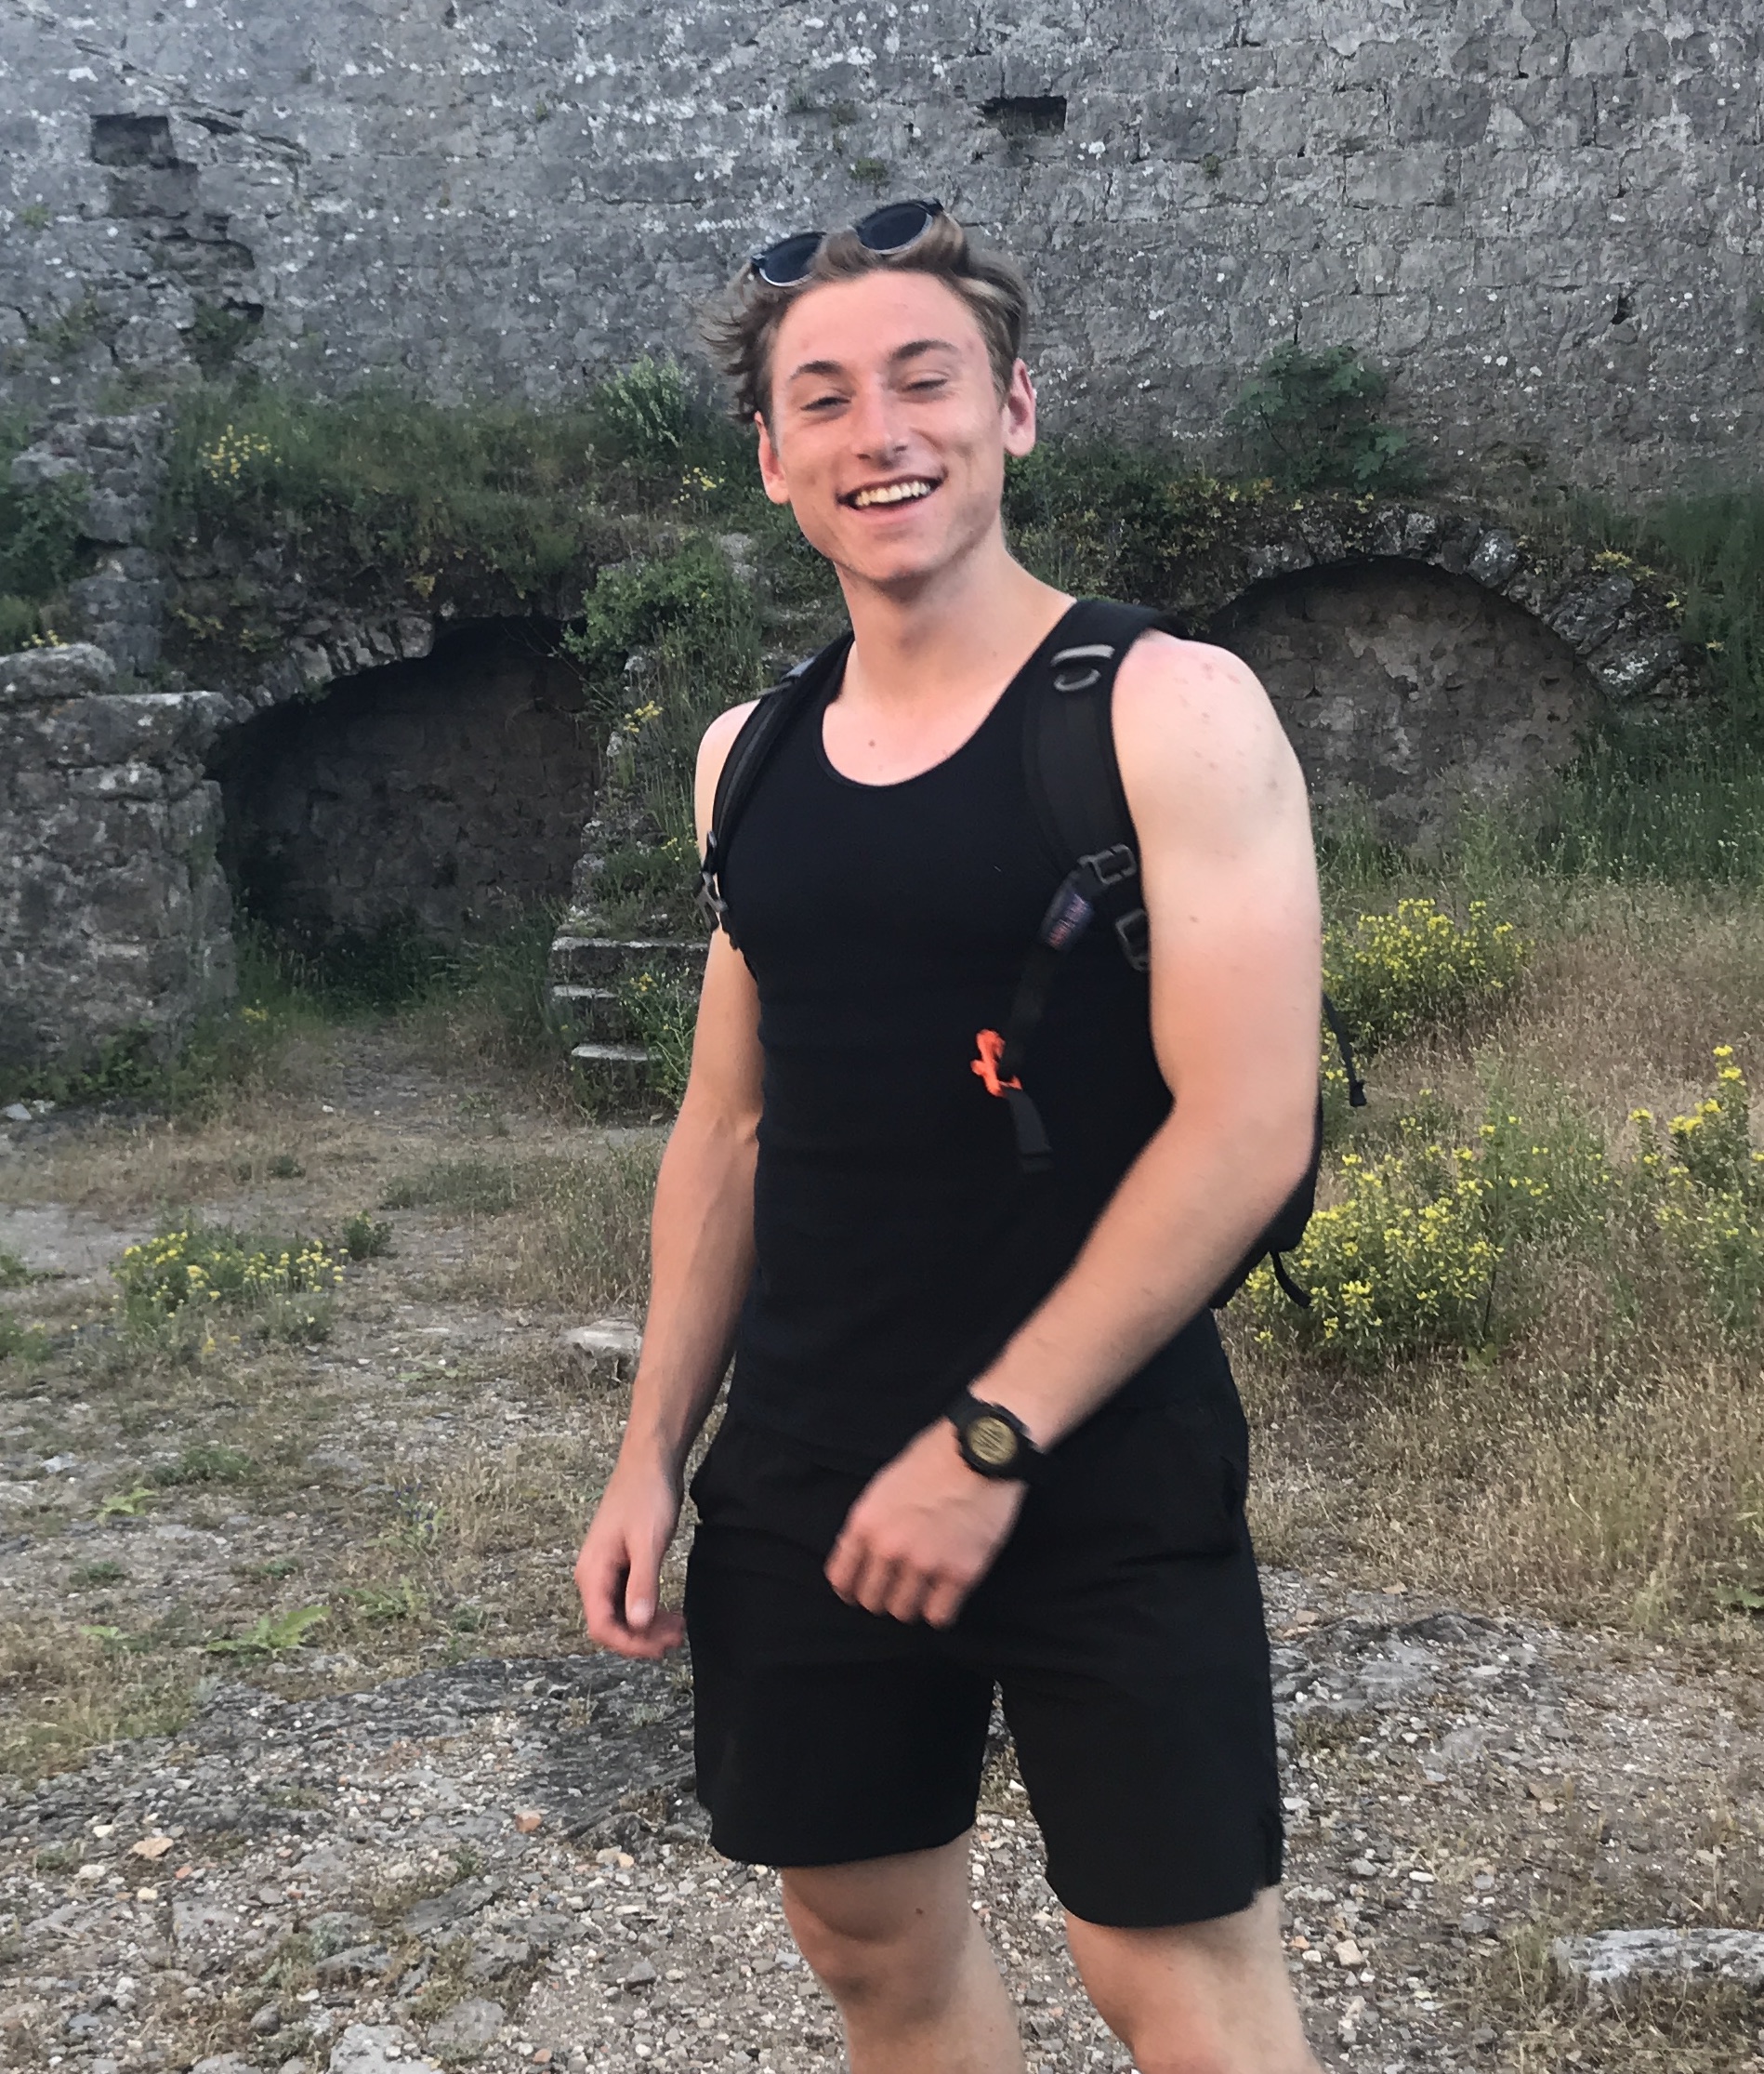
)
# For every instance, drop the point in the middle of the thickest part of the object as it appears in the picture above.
(449, 792)
(1543, 214)
(114, 912)
(1410, 690)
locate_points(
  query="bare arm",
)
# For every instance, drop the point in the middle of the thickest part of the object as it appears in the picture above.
(1230, 892)
(702, 1252)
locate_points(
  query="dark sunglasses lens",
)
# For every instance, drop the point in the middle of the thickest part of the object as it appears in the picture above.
(889, 229)
(785, 263)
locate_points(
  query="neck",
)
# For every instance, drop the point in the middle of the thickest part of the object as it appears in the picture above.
(969, 623)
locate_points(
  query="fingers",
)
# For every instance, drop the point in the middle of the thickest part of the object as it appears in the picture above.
(642, 1584)
(605, 1577)
(894, 1586)
(944, 1601)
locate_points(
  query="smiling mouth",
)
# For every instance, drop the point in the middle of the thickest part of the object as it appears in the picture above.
(907, 492)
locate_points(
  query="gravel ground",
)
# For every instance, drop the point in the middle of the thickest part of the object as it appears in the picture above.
(500, 1859)
(438, 1831)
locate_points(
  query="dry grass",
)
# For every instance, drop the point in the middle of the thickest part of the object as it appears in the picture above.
(67, 1688)
(578, 1233)
(1545, 2027)
(1608, 1463)
(1605, 1465)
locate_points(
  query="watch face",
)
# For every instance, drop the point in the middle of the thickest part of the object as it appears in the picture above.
(991, 1441)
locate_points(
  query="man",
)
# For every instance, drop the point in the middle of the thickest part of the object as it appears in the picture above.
(841, 1202)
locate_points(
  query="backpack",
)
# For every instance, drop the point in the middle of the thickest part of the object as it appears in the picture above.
(1077, 799)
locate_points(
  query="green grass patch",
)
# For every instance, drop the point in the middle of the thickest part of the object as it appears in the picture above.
(19, 1340)
(203, 1463)
(469, 1187)
(274, 1634)
(394, 483)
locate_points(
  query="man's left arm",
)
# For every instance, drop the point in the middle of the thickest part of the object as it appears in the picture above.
(1230, 892)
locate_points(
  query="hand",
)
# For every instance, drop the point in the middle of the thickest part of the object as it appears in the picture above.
(922, 1532)
(619, 1570)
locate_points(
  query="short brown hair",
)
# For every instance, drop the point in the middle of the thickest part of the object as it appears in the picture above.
(739, 328)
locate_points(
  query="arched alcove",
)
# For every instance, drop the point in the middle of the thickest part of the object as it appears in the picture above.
(1410, 688)
(447, 792)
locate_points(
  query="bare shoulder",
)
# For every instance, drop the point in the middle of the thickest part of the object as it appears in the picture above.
(714, 746)
(1196, 734)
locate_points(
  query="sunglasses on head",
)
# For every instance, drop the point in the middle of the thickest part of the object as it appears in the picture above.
(887, 230)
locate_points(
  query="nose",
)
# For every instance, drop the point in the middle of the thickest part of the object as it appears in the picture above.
(877, 425)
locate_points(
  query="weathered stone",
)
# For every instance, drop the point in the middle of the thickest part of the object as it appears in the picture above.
(469, 2027)
(1616, 1963)
(376, 2049)
(44, 676)
(1405, 690)
(114, 912)
(606, 1340)
(423, 189)
(450, 791)
(345, 1969)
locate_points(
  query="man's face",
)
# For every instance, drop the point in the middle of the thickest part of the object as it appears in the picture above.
(887, 434)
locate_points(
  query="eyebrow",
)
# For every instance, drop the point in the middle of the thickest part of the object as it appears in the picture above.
(909, 351)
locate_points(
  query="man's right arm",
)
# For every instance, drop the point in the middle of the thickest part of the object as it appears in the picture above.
(701, 1258)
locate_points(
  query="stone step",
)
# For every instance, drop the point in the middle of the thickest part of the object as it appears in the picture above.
(603, 961)
(592, 1013)
(616, 1073)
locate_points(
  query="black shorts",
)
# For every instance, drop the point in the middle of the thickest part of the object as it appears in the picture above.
(1122, 1623)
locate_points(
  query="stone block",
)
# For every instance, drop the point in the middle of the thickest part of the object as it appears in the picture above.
(45, 676)
(1614, 1965)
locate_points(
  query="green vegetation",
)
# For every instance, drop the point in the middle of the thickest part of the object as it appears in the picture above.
(176, 1285)
(39, 547)
(467, 1187)
(1679, 798)
(385, 481)
(274, 1634)
(663, 1012)
(1314, 421)
(19, 1340)
(364, 1239)
(203, 1463)
(1392, 974)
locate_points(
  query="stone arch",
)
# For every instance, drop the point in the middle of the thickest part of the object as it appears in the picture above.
(1419, 652)
(446, 789)
(1407, 688)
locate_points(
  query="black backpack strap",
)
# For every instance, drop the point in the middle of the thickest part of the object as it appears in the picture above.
(1076, 795)
(1071, 768)
(1075, 792)
(1338, 1030)
(765, 727)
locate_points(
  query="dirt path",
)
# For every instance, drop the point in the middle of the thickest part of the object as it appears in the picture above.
(429, 1827)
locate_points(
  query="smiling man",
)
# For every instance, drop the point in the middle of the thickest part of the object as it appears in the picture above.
(981, 1436)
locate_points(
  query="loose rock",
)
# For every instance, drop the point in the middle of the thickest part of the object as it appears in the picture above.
(1616, 1963)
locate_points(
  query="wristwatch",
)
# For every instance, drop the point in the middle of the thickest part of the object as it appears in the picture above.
(996, 1442)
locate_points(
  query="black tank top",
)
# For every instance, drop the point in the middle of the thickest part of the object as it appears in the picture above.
(899, 1243)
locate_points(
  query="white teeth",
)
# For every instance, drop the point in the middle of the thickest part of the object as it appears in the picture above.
(891, 493)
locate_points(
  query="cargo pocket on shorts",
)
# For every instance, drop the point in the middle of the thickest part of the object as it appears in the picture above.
(1147, 1482)
(1198, 1504)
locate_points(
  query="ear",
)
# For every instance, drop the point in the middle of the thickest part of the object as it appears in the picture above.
(771, 469)
(1018, 412)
